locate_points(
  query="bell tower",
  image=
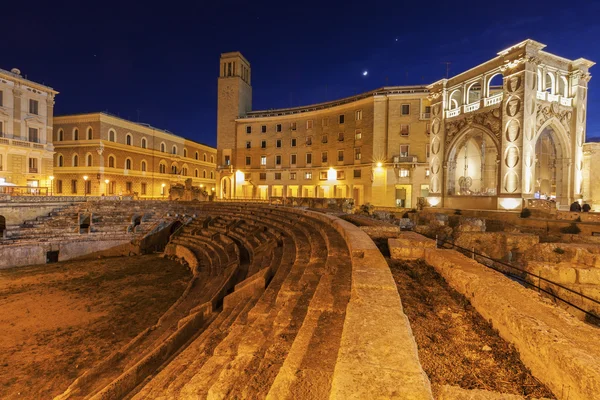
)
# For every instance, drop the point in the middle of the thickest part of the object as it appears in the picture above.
(234, 101)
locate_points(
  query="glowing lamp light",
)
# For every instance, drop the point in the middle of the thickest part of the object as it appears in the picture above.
(434, 201)
(85, 177)
(331, 174)
(510, 203)
(379, 164)
(239, 176)
(106, 181)
(163, 185)
(51, 177)
(213, 189)
(201, 185)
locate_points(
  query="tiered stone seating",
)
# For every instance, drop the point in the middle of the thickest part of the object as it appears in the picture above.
(108, 218)
(246, 361)
(267, 316)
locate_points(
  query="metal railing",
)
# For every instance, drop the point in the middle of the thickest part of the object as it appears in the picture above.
(24, 190)
(520, 275)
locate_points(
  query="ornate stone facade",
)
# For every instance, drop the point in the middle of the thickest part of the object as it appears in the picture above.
(530, 113)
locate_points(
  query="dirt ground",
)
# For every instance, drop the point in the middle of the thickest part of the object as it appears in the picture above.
(57, 320)
(456, 345)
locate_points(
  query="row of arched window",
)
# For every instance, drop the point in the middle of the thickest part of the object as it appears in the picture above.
(128, 165)
(552, 82)
(112, 137)
(76, 136)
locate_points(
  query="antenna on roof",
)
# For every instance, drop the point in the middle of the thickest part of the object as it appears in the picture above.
(447, 68)
(138, 114)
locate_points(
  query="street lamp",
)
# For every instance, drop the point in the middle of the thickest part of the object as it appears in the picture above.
(106, 188)
(85, 187)
(163, 190)
(51, 183)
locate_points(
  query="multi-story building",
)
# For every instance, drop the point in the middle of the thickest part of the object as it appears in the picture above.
(373, 147)
(100, 154)
(26, 113)
(510, 129)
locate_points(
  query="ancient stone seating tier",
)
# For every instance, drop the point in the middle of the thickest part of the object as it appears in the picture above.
(109, 219)
(285, 303)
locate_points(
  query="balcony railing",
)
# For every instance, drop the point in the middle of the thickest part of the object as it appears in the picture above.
(452, 113)
(490, 101)
(33, 170)
(476, 105)
(564, 101)
(405, 159)
(472, 107)
(426, 115)
(20, 143)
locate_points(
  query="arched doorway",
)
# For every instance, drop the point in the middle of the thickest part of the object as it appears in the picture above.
(226, 188)
(551, 172)
(473, 165)
(545, 166)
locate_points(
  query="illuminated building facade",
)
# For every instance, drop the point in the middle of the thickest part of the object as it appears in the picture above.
(512, 128)
(372, 147)
(26, 120)
(121, 157)
(509, 129)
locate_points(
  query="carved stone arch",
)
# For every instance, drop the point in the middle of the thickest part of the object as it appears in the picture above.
(458, 99)
(472, 162)
(226, 187)
(488, 82)
(555, 163)
(468, 90)
(463, 132)
(561, 134)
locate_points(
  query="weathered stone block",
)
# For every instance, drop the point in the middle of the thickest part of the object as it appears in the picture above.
(409, 245)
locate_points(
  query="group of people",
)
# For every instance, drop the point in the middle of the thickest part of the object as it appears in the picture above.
(575, 206)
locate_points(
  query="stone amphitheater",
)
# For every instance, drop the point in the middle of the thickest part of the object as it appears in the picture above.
(287, 303)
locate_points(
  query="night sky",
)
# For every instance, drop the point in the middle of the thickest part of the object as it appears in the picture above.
(158, 62)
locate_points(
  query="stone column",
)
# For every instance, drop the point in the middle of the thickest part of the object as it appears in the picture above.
(518, 115)
(17, 93)
(49, 121)
(529, 126)
(436, 140)
(511, 140)
(579, 80)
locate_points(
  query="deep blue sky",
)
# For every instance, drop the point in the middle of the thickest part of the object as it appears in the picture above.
(162, 59)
